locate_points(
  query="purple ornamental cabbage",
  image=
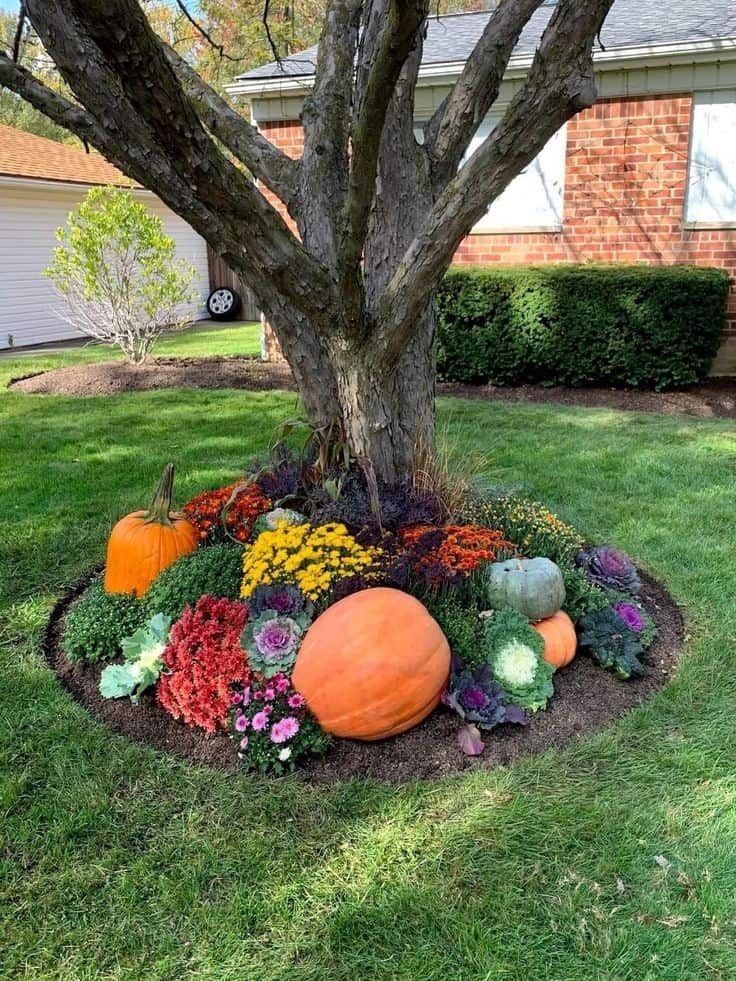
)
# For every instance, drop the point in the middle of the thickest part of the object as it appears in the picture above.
(288, 601)
(272, 643)
(631, 616)
(608, 568)
(477, 698)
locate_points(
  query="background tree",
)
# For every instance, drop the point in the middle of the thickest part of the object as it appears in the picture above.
(118, 273)
(379, 216)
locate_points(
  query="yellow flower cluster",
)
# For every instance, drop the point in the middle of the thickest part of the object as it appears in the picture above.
(535, 529)
(310, 558)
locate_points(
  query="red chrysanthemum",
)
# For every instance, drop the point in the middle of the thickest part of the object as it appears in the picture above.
(208, 515)
(203, 660)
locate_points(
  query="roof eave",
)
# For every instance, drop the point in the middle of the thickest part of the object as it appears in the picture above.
(678, 52)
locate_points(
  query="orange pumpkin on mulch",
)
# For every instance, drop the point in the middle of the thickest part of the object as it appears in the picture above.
(373, 665)
(144, 543)
(560, 639)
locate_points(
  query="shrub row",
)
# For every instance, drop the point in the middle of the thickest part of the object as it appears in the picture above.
(633, 326)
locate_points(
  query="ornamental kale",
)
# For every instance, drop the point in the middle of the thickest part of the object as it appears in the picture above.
(608, 568)
(632, 612)
(288, 601)
(477, 698)
(142, 651)
(272, 642)
(514, 652)
(612, 643)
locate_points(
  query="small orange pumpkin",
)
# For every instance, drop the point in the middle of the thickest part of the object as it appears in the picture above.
(560, 639)
(373, 665)
(144, 543)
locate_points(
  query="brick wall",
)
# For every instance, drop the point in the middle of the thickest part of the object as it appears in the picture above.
(625, 182)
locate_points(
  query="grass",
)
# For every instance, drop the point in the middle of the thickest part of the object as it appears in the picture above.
(615, 859)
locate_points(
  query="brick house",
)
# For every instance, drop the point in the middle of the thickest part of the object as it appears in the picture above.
(647, 175)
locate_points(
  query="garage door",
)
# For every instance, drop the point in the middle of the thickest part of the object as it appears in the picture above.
(30, 309)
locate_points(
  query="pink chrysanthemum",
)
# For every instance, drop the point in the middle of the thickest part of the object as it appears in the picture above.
(241, 723)
(260, 721)
(285, 729)
(296, 700)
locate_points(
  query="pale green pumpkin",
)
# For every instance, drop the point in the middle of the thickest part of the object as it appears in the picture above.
(533, 587)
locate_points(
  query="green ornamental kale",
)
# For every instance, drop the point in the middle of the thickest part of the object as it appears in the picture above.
(612, 643)
(211, 570)
(97, 623)
(143, 663)
(514, 652)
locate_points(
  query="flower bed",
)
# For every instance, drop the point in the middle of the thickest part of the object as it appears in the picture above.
(360, 613)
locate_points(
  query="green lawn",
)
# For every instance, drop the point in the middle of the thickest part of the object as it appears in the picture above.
(615, 859)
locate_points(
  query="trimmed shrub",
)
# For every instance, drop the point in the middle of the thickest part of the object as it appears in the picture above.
(98, 621)
(214, 570)
(629, 326)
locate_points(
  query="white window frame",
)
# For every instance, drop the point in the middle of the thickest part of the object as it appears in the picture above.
(716, 127)
(506, 214)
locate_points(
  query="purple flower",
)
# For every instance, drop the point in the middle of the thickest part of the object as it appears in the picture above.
(473, 699)
(269, 694)
(260, 721)
(281, 683)
(608, 568)
(296, 700)
(277, 639)
(241, 723)
(236, 698)
(280, 598)
(284, 730)
(631, 616)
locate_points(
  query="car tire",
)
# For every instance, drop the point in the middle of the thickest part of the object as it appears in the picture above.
(223, 303)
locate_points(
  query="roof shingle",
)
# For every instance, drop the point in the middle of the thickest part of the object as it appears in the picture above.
(630, 23)
(25, 155)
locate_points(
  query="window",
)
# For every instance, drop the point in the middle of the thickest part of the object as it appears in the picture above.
(711, 193)
(534, 199)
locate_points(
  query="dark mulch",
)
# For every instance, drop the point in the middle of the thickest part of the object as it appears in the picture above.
(114, 377)
(714, 398)
(586, 700)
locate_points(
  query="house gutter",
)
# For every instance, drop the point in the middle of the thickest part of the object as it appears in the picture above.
(649, 56)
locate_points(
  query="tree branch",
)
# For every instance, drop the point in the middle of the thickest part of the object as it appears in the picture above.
(455, 122)
(265, 161)
(117, 68)
(559, 85)
(400, 24)
(326, 121)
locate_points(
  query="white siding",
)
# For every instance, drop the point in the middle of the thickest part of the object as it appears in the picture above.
(30, 213)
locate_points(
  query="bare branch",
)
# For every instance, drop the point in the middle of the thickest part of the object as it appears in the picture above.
(559, 84)
(326, 120)
(269, 164)
(400, 24)
(219, 48)
(453, 125)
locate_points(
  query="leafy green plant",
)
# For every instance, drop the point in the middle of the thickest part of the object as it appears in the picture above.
(142, 651)
(580, 324)
(118, 272)
(460, 624)
(581, 595)
(514, 652)
(97, 623)
(213, 570)
(611, 643)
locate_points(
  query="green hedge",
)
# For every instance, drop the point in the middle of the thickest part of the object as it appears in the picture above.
(634, 326)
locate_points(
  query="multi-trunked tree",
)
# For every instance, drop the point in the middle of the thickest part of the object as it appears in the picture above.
(379, 215)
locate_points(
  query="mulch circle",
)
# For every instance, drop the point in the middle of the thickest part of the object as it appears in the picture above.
(714, 398)
(586, 700)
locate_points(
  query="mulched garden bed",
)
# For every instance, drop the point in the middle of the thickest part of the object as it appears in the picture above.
(586, 700)
(715, 398)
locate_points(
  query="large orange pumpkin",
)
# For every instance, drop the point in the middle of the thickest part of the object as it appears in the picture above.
(560, 639)
(144, 543)
(373, 665)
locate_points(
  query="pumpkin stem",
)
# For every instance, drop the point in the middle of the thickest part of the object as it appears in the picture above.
(160, 507)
